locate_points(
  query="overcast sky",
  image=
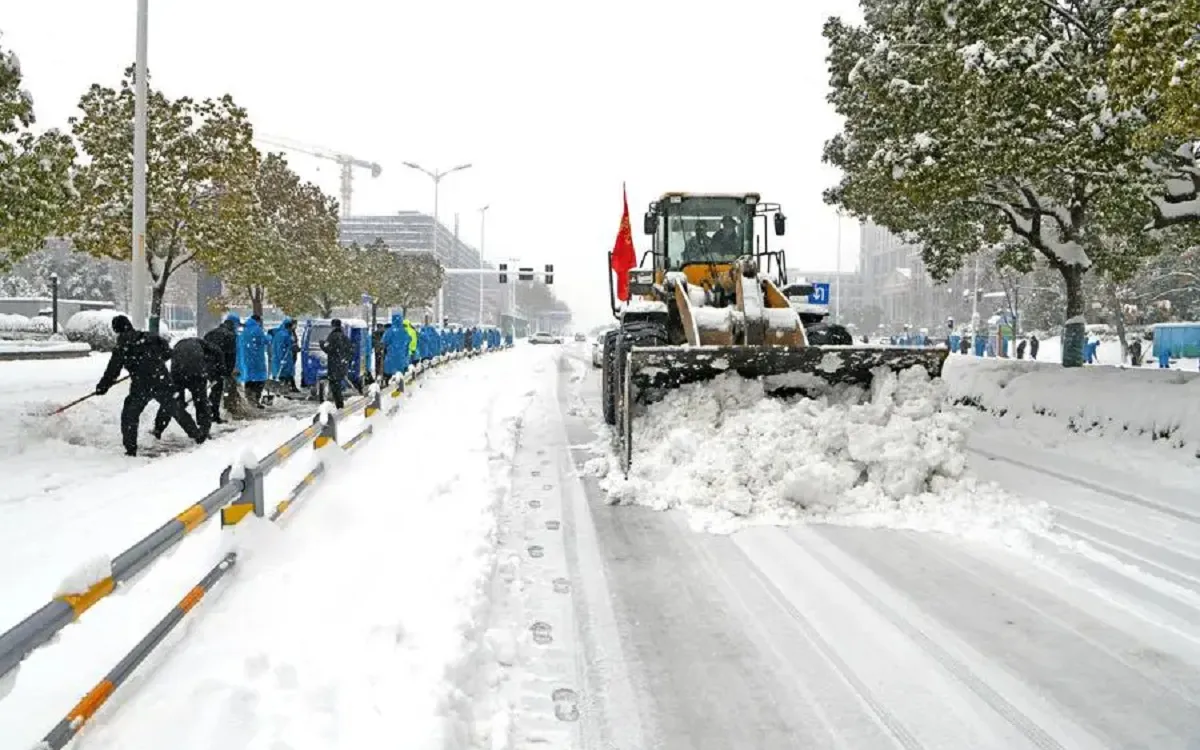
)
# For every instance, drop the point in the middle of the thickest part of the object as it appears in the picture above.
(555, 103)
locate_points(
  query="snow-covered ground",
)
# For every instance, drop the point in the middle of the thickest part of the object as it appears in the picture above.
(361, 617)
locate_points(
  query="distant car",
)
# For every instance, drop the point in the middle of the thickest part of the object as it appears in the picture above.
(580, 337)
(541, 337)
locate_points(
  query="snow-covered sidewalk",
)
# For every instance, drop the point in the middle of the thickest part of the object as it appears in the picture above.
(359, 619)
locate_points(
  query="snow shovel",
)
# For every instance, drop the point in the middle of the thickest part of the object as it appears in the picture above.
(81, 399)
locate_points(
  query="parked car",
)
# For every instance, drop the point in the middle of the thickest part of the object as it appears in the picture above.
(541, 337)
(580, 337)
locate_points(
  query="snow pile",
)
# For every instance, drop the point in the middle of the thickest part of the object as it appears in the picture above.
(93, 327)
(1161, 405)
(732, 456)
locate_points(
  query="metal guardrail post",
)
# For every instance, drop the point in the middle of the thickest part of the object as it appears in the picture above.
(65, 730)
(251, 499)
(328, 433)
(374, 405)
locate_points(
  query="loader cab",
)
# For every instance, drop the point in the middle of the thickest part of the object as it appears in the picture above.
(702, 235)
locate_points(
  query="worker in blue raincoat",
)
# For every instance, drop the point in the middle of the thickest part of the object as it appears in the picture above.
(283, 355)
(477, 339)
(396, 347)
(252, 354)
(432, 342)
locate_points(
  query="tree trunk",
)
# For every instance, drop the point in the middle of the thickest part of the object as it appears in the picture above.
(326, 307)
(156, 302)
(257, 293)
(1110, 290)
(1074, 331)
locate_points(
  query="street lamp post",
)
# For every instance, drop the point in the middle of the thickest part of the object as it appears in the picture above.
(53, 303)
(837, 279)
(482, 235)
(139, 280)
(437, 175)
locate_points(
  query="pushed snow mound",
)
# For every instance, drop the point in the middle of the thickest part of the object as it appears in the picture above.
(894, 456)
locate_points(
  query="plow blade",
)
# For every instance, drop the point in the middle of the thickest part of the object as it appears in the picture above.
(800, 368)
(809, 369)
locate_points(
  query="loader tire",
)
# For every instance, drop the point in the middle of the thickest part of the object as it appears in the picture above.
(608, 392)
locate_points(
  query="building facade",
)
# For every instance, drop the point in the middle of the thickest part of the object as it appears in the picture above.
(411, 230)
(896, 283)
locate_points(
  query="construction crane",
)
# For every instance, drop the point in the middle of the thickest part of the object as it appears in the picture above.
(348, 163)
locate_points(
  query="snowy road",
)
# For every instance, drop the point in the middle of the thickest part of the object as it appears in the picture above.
(461, 582)
(827, 636)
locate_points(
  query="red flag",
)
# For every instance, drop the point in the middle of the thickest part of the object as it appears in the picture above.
(623, 255)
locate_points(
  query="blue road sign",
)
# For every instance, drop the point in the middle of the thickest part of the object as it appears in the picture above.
(820, 295)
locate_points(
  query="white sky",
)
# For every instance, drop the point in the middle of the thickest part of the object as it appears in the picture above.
(556, 103)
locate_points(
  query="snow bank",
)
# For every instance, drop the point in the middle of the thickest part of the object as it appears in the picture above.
(732, 456)
(1153, 403)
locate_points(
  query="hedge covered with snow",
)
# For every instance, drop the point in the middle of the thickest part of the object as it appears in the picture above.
(11, 323)
(93, 327)
(1152, 403)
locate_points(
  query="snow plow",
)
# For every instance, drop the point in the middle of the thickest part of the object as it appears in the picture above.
(712, 304)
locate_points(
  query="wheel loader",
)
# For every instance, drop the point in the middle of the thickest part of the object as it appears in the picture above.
(714, 298)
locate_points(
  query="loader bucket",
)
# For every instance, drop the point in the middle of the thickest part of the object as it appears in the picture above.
(785, 370)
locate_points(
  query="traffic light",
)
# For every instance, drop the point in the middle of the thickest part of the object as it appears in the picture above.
(525, 274)
(549, 273)
(503, 273)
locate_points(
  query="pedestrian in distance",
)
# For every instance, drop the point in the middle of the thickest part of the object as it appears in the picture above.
(1021, 349)
(1135, 353)
(338, 352)
(144, 356)
(191, 362)
(1033, 346)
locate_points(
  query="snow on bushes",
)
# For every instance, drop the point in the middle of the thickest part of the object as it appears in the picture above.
(731, 456)
(1161, 405)
(93, 327)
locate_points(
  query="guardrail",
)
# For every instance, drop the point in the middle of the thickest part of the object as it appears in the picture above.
(239, 494)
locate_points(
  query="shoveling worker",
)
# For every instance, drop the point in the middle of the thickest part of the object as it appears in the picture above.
(223, 339)
(338, 352)
(191, 362)
(283, 355)
(252, 350)
(145, 356)
(397, 347)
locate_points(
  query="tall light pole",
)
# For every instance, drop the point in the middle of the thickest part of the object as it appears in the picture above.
(139, 280)
(436, 175)
(482, 235)
(837, 279)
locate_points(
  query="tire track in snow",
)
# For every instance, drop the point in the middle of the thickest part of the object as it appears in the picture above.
(1128, 497)
(824, 553)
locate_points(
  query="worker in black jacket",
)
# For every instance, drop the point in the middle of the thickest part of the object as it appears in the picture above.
(224, 340)
(145, 356)
(338, 352)
(191, 360)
